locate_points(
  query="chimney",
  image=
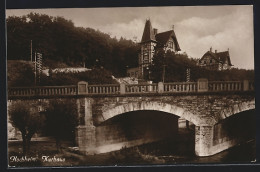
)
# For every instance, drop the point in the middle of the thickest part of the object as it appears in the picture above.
(173, 27)
(210, 49)
(155, 31)
(216, 51)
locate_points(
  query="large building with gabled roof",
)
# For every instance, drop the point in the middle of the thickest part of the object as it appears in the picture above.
(215, 60)
(151, 40)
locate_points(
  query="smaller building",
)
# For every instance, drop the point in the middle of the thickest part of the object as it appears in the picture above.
(133, 72)
(65, 70)
(215, 60)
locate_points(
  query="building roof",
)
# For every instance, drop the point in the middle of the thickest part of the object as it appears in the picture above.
(223, 56)
(163, 37)
(219, 56)
(148, 34)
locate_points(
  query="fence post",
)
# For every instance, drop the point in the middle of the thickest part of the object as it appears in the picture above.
(245, 85)
(82, 87)
(122, 88)
(203, 85)
(160, 87)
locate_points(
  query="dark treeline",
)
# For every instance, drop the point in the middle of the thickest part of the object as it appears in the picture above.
(60, 41)
(21, 73)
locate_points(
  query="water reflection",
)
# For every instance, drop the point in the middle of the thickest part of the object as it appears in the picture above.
(181, 150)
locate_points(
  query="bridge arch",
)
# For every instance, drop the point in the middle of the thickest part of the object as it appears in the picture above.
(156, 106)
(235, 109)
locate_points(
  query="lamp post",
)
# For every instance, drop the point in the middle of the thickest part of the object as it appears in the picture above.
(187, 80)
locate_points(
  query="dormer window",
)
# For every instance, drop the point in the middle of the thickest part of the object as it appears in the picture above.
(170, 44)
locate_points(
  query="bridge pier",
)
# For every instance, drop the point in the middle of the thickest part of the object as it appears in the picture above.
(86, 139)
(86, 131)
(210, 140)
(203, 140)
(235, 130)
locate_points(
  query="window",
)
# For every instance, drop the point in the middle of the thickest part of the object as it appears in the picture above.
(145, 60)
(170, 44)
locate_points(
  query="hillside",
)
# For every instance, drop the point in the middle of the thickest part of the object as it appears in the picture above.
(20, 73)
(60, 41)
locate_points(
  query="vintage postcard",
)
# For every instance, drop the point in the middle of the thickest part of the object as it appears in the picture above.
(130, 86)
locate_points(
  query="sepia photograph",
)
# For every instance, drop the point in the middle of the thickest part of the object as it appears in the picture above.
(130, 86)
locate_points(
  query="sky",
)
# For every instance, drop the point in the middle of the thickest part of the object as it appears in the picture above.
(197, 27)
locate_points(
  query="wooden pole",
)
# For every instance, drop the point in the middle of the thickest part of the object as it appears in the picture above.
(163, 73)
(31, 51)
(35, 70)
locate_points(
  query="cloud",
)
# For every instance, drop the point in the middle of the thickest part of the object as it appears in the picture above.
(234, 31)
(127, 30)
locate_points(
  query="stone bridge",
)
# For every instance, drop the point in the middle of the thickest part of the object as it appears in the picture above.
(206, 104)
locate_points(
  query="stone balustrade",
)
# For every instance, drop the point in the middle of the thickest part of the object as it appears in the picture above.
(42, 91)
(180, 87)
(202, 85)
(141, 88)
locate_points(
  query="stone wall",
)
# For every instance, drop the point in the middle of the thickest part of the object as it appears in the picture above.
(202, 110)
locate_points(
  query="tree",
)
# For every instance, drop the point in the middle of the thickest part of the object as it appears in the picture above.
(61, 120)
(60, 41)
(27, 119)
(157, 66)
(20, 73)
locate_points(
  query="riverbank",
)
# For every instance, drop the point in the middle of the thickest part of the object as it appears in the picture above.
(165, 152)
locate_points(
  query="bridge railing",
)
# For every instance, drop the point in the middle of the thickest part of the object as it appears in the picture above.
(251, 85)
(203, 85)
(226, 86)
(104, 89)
(180, 87)
(43, 90)
(141, 88)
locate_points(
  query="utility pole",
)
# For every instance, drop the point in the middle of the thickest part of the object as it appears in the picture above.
(163, 74)
(187, 80)
(34, 68)
(31, 51)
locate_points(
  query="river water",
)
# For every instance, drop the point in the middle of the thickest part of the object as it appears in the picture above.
(181, 150)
